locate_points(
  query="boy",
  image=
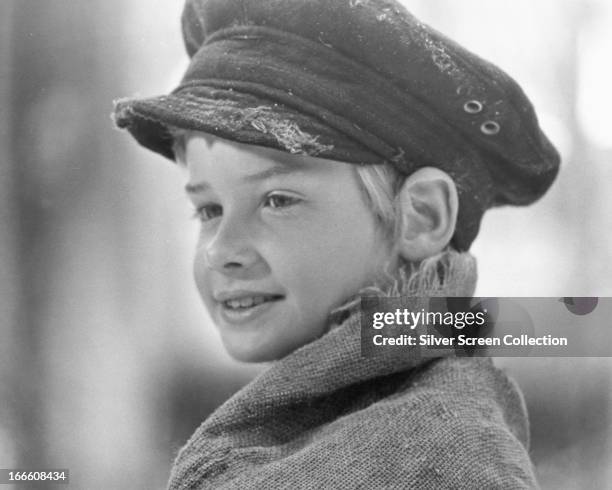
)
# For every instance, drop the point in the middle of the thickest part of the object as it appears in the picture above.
(333, 146)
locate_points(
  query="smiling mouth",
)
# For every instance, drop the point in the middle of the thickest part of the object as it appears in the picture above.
(247, 302)
(244, 310)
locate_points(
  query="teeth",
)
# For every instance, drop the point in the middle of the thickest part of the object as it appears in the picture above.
(247, 302)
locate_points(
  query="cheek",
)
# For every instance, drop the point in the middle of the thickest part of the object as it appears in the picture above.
(333, 261)
(201, 275)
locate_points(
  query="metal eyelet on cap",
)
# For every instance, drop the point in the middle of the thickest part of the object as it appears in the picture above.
(473, 107)
(490, 128)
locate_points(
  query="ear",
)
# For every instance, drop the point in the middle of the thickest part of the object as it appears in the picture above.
(429, 204)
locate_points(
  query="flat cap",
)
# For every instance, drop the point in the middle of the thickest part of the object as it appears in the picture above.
(359, 81)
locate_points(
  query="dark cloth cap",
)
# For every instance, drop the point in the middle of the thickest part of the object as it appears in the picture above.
(359, 81)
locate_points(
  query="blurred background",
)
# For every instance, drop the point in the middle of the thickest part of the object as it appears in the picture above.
(108, 361)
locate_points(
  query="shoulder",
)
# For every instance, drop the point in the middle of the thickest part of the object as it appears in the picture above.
(455, 423)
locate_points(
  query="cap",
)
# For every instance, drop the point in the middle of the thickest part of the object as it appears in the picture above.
(359, 81)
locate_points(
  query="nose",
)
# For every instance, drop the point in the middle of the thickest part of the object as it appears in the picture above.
(231, 249)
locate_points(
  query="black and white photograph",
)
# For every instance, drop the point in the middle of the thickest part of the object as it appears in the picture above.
(305, 244)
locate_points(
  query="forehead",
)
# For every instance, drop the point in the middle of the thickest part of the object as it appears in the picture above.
(213, 160)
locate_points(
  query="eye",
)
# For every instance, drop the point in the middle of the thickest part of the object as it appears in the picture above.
(208, 212)
(278, 201)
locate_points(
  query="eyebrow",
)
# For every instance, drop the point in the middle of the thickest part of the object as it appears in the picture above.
(283, 169)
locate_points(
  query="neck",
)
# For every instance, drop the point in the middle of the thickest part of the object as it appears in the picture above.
(449, 273)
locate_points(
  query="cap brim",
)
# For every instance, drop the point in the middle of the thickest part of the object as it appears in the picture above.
(238, 117)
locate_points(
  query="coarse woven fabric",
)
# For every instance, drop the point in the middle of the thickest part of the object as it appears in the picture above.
(324, 417)
(358, 81)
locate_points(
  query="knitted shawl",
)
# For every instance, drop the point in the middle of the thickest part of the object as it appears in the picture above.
(326, 417)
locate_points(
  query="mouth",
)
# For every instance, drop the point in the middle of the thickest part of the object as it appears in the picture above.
(246, 302)
(240, 308)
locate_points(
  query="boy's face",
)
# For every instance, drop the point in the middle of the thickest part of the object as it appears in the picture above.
(284, 240)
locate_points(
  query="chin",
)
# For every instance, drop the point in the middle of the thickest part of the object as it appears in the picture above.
(257, 346)
(255, 354)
